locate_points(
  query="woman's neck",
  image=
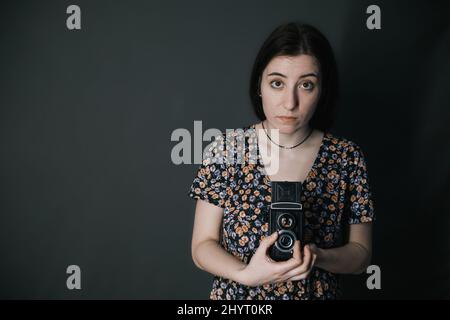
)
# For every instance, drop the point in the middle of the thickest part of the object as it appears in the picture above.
(284, 139)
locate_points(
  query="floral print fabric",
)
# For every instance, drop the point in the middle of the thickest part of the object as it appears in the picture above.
(335, 194)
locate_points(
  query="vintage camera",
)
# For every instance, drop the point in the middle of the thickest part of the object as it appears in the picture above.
(286, 217)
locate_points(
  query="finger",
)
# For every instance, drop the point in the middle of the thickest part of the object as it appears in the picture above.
(299, 277)
(268, 241)
(302, 267)
(313, 247)
(297, 251)
(307, 257)
(313, 258)
(264, 245)
(282, 267)
(313, 263)
(295, 272)
(294, 262)
(305, 274)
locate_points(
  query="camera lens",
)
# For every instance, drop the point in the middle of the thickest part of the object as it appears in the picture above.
(286, 221)
(286, 241)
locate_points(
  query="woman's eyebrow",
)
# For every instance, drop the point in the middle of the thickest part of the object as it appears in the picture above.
(313, 74)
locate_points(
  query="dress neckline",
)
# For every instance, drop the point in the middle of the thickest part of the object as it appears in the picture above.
(310, 172)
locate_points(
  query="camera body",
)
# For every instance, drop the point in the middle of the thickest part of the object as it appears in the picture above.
(286, 217)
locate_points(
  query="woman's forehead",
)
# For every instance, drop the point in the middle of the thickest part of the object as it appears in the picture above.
(293, 66)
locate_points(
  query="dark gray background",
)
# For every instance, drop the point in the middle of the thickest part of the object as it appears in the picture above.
(86, 119)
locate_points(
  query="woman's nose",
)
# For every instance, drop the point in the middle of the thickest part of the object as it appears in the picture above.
(291, 100)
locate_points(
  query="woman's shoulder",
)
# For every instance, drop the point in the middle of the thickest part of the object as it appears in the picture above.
(349, 151)
(341, 144)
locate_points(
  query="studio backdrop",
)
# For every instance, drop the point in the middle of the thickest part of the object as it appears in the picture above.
(92, 94)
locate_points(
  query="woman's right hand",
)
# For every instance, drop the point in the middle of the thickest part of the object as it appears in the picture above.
(262, 269)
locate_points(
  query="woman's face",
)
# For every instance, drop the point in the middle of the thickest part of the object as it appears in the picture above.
(290, 87)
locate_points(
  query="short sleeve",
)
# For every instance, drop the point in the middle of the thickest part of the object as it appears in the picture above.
(210, 182)
(359, 206)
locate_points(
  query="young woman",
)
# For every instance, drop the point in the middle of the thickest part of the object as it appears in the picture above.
(293, 90)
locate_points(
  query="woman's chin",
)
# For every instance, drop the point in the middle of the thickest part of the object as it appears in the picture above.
(287, 128)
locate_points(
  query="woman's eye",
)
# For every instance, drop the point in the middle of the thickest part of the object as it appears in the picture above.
(276, 84)
(308, 85)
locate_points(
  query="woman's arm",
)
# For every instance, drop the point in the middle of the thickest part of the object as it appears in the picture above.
(352, 258)
(207, 253)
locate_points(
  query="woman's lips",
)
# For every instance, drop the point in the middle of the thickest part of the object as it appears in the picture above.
(286, 119)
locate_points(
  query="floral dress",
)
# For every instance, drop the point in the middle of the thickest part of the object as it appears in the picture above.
(335, 194)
